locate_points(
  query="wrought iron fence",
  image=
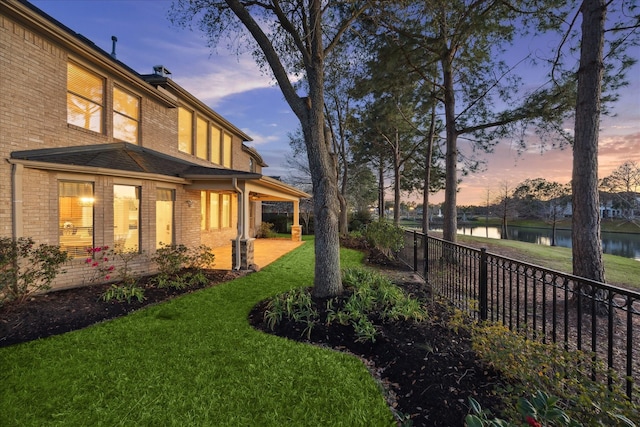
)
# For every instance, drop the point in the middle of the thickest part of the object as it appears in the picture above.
(541, 303)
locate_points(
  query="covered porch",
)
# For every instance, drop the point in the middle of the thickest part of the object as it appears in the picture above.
(265, 251)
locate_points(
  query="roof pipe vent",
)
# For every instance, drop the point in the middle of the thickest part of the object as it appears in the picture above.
(114, 40)
(160, 70)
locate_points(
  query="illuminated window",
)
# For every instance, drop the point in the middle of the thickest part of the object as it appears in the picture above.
(126, 218)
(215, 145)
(225, 211)
(216, 211)
(85, 98)
(185, 130)
(164, 217)
(203, 210)
(75, 217)
(226, 151)
(126, 116)
(201, 139)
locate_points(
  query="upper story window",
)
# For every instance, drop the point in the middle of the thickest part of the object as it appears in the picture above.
(226, 151)
(204, 139)
(185, 130)
(216, 144)
(202, 143)
(126, 116)
(85, 98)
(252, 165)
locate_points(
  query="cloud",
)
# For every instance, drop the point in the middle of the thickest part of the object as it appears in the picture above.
(226, 76)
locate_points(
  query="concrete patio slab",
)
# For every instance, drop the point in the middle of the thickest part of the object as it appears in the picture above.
(265, 252)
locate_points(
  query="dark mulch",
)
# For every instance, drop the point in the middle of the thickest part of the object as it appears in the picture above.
(427, 369)
(63, 311)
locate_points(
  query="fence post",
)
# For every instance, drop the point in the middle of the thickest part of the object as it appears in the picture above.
(415, 251)
(483, 288)
(425, 243)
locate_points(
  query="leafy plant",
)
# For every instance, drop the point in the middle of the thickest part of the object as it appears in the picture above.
(173, 259)
(26, 268)
(123, 293)
(265, 231)
(372, 295)
(100, 263)
(553, 371)
(385, 237)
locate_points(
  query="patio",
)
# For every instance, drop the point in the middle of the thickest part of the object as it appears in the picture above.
(265, 252)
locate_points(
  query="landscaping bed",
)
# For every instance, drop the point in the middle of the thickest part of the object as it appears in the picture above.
(427, 370)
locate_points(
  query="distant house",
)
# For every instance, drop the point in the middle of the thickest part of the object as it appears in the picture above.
(95, 154)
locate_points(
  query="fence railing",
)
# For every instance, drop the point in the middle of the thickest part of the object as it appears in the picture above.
(541, 303)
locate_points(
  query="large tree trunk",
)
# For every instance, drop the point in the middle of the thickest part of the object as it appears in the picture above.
(450, 224)
(381, 188)
(427, 171)
(396, 181)
(587, 246)
(327, 279)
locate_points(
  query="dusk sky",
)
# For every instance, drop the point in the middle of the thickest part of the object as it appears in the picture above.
(234, 87)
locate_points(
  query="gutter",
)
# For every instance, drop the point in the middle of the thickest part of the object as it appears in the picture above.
(234, 183)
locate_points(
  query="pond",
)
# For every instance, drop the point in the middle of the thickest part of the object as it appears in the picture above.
(621, 244)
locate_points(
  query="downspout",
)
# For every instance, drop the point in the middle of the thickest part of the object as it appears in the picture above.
(16, 201)
(234, 182)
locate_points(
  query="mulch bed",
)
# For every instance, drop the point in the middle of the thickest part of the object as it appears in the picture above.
(427, 370)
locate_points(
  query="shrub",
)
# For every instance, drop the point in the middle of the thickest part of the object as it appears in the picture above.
(173, 259)
(265, 231)
(26, 269)
(385, 237)
(373, 296)
(553, 371)
(123, 292)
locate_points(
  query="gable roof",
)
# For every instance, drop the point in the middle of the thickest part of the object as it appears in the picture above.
(127, 157)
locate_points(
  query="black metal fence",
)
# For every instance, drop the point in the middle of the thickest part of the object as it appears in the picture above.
(543, 304)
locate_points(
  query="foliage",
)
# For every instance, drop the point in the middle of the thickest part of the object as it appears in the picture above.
(173, 259)
(123, 292)
(372, 295)
(26, 268)
(177, 360)
(265, 231)
(554, 371)
(100, 262)
(359, 220)
(385, 236)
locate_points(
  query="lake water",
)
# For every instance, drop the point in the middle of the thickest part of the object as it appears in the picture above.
(621, 244)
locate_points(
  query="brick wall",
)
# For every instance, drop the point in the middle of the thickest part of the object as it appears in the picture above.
(33, 115)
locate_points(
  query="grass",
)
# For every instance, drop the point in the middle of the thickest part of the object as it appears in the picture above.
(618, 270)
(192, 361)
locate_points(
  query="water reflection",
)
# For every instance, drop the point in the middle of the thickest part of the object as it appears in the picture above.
(621, 244)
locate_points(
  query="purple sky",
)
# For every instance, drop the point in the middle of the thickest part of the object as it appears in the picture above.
(235, 88)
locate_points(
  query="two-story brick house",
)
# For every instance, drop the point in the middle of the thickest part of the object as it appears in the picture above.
(93, 153)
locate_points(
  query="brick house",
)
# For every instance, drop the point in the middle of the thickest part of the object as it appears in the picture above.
(94, 153)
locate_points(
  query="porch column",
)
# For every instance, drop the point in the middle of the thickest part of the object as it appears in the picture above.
(296, 228)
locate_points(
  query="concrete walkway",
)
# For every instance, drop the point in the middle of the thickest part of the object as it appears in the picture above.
(265, 252)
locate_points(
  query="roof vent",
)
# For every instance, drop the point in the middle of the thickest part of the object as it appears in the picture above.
(160, 70)
(114, 40)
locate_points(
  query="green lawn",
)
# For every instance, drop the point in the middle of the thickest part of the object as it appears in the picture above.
(192, 361)
(619, 270)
